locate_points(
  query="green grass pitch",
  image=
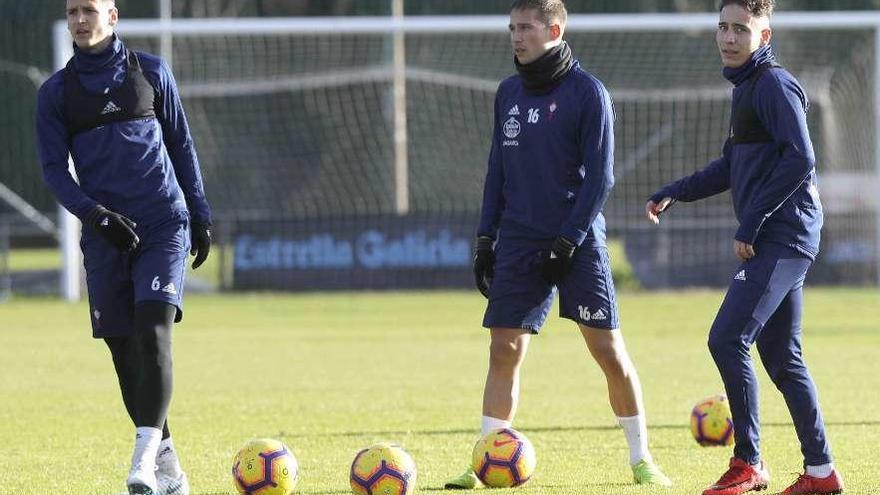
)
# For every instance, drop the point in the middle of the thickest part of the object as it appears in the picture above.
(332, 373)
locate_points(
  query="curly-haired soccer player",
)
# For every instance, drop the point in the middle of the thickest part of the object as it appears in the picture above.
(769, 166)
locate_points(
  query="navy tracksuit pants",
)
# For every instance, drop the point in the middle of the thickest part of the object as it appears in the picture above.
(764, 304)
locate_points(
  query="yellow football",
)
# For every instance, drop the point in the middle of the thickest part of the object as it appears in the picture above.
(383, 469)
(711, 422)
(265, 467)
(504, 458)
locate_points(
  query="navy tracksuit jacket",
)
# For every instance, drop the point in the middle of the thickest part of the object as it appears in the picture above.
(769, 167)
(145, 169)
(773, 183)
(554, 178)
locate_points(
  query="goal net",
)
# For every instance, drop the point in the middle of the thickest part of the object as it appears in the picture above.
(307, 147)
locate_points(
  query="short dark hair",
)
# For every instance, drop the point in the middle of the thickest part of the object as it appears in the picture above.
(758, 8)
(549, 11)
(112, 2)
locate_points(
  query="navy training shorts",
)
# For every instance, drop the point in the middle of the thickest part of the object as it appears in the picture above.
(519, 297)
(153, 272)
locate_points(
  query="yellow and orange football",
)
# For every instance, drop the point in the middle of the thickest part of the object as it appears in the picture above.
(504, 458)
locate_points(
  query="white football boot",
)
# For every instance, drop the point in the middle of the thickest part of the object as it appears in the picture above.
(171, 485)
(142, 480)
(171, 479)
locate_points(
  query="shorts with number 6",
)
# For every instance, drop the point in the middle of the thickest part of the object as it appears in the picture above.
(153, 272)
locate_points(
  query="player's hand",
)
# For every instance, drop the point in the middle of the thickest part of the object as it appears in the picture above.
(484, 264)
(116, 229)
(558, 263)
(653, 210)
(743, 251)
(201, 242)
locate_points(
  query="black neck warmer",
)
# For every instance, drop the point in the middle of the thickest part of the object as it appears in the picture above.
(542, 75)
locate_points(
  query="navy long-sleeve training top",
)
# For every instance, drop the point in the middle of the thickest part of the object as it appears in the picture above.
(773, 183)
(145, 169)
(551, 163)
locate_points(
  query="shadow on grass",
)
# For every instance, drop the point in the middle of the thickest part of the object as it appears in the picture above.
(572, 488)
(325, 492)
(542, 429)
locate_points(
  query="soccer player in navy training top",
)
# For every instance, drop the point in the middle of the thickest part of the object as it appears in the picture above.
(141, 201)
(769, 166)
(542, 229)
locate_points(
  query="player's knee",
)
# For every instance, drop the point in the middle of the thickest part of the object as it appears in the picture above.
(781, 369)
(506, 353)
(730, 339)
(153, 322)
(723, 343)
(155, 341)
(155, 344)
(777, 375)
(611, 358)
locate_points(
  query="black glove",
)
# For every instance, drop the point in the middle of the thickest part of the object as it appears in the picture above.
(484, 264)
(558, 263)
(114, 228)
(201, 242)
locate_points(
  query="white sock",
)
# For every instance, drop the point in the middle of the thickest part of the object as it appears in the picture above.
(146, 446)
(822, 471)
(635, 429)
(167, 460)
(489, 423)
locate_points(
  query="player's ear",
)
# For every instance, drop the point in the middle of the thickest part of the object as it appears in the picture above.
(114, 16)
(766, 34)
(555, 32)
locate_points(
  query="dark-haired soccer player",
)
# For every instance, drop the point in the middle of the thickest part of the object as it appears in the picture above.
(542, 229)
(769, 166)
(141, 201)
